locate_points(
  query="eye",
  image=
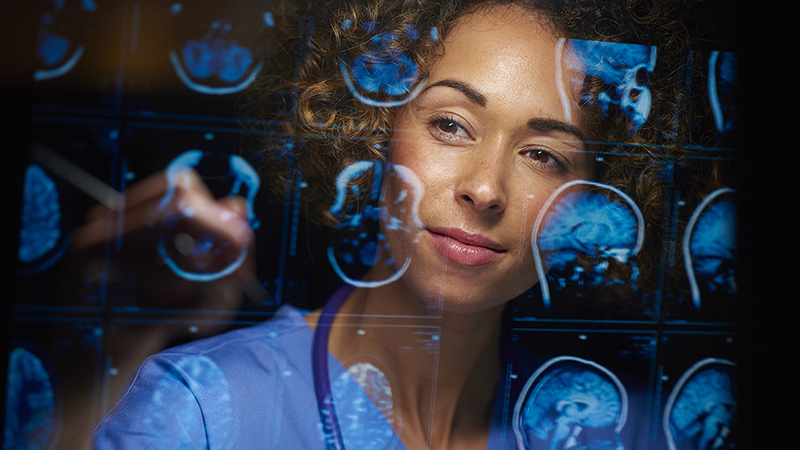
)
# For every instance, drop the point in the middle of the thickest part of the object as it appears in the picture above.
(447, 127)
(544, 157)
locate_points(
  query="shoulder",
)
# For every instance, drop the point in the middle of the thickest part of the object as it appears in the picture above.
(210, 389)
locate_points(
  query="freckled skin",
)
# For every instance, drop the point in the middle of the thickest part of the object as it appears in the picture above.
(485, 170)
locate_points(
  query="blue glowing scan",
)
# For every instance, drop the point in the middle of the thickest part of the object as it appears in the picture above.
(206, 382)
(571, 403)
(196, 257)
(222, 60)
(709, 248)
(31, 403)
(362, 236)
(364, 409)
(583, 226)
(623, 69)
(722, 68)
(382, 75)
(699, 414)
(40, 240)
(59, 46)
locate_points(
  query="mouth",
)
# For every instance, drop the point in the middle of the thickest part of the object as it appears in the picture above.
(465, 248)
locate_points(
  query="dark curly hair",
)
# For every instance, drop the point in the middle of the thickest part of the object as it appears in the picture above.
(305, 98)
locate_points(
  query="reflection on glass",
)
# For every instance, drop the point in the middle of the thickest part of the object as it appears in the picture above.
(382, 75)
(721, 82)
(31, 417)
(709, 248)
(360, 243)
(41, 222)
(198, 253)
(583, 227)
(571, 403)
(363, 399)
(623, 70)
(59, 48)
(215, 63)
(699, 414)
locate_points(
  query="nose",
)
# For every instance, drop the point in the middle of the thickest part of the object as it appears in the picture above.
(481, 183)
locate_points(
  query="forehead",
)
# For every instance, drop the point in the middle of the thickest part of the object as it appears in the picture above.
(510, 57)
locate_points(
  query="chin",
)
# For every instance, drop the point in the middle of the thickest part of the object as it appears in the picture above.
(462, 297)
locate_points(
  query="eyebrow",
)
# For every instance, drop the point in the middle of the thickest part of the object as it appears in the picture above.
(545, 125)
(473, 95)
(536, 124)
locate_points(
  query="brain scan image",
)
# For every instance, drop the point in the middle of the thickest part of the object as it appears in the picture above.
(359, 207)
(623, 71)
(699, 414)
(570, 403)
(42, 241)
(580, 234)
(363, 400)
(62, 37)
(382, 75)
(217, 56)
(31, 413)
(194, 255)
(721, 82)
(709, 249)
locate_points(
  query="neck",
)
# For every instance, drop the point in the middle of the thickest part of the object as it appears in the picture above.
(442, 366)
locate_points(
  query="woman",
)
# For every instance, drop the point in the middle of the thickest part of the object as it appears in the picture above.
(486, 122)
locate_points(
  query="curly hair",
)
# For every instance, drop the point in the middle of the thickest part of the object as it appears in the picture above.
(327, 128)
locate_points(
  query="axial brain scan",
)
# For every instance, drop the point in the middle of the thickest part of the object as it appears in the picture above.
(571, 403)
(194, 257)
(699, 414)
(219, 57)
(359, 243)
(382, 75)
(62, 34)
(586, 225)
(41, 242)
(31, 414)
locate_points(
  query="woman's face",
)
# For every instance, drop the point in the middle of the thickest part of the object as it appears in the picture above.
(490, 140)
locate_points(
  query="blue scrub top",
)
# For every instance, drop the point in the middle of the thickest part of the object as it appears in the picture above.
(251, 388)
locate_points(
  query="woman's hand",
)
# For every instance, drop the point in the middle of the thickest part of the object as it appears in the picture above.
(167, 245)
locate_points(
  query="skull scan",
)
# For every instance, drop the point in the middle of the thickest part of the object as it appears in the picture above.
(571, 403)
(579, 234)
(699, 414)
(196, 257)
(361, 203)
(709, 249)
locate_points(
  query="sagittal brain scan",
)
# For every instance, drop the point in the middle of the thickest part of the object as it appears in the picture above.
(31, 403)
(624, 72)
(721, 81)
(580, 234)
(359, 242)
(382, 75)
(363, 400)
(218, 55)
(700, 411)
(42, 240)
(571, 403)
(195, 255)
(62, 34)
(709, 249)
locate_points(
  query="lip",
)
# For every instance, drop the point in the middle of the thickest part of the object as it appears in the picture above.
(464, 248)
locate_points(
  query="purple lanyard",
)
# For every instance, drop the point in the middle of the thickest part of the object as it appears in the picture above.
(319, 364)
